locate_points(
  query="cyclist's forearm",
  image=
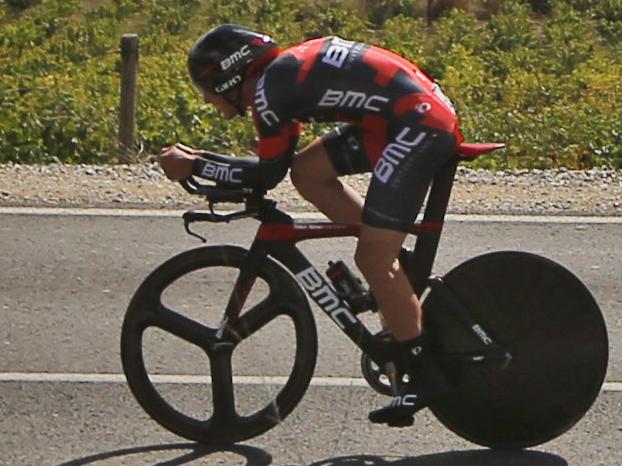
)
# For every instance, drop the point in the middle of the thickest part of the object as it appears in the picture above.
(248, 171)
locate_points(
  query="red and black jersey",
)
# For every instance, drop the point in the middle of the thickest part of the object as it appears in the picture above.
(331, 79)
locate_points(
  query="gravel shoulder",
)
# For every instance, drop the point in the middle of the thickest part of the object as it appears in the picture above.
(534, 192)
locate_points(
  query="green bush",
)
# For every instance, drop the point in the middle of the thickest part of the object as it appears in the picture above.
(542, 76)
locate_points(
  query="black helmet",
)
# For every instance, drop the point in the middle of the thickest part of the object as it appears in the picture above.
(222, 57)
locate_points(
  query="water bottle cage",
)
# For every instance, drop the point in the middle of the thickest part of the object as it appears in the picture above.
(350, 288)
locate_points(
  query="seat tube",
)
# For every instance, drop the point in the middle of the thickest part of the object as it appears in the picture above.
(427, 243)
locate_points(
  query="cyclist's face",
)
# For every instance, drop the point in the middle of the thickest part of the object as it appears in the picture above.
(228, 110)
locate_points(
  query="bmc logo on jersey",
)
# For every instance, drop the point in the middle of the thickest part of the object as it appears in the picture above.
(221, 172)
(261, 104)
(352, 99)
(337, 52)
(395, 152)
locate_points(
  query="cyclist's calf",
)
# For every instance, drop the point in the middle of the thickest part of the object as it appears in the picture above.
(376, 257)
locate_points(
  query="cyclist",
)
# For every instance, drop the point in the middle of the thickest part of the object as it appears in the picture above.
(397, 123)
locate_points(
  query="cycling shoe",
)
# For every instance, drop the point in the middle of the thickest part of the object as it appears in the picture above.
(399, 411)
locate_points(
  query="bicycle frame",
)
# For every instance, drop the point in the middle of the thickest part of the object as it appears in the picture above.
(557, 333)
(278, 235)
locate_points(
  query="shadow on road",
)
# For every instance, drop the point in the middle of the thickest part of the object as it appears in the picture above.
(254, 456)
(455, 458)
(258, 457)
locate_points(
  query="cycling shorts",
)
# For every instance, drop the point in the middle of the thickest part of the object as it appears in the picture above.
(403, 157)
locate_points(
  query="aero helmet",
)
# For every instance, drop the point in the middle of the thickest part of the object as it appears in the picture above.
(222, 57)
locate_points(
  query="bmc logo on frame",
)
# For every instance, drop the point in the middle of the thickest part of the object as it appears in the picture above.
(322, 294)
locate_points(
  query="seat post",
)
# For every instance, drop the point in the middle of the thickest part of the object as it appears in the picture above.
(435, 209)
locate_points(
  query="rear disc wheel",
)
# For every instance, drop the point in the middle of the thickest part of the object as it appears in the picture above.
(552, 326)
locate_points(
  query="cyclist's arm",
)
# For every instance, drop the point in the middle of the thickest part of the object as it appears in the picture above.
(253, 172)
(275, 154)
(278, 136)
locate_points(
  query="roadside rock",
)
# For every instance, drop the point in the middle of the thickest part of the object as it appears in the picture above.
(536, 192)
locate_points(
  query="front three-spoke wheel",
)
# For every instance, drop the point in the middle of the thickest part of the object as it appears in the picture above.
(209, 386)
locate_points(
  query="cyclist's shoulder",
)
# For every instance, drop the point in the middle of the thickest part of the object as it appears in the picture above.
(292, 58)
(277, 84)
(295, 63)
(278, 81)
(307, 49)
(283, 65)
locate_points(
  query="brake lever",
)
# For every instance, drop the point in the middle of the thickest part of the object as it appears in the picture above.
(187, 223)
(191, 216)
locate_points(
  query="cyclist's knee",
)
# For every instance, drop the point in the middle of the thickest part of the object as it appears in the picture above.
(377, 250)
(373, 261)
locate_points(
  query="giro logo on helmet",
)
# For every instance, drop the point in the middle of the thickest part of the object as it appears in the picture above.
(228, 84)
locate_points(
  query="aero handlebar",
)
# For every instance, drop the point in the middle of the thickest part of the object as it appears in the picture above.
(217, 193)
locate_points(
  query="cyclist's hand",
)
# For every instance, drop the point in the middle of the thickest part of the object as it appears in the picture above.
(176, 163)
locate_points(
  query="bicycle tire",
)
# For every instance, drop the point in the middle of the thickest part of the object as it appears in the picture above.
(548, 320)
(225, 425)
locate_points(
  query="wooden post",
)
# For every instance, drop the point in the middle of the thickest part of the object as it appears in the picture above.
(429, 12)
(129, 71)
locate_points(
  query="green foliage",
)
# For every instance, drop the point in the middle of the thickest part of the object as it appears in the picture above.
(542, 76)
(379, 12)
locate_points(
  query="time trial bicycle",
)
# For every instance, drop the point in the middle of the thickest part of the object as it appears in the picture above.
(520, 338)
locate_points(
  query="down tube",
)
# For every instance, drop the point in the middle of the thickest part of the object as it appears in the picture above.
(325, 297)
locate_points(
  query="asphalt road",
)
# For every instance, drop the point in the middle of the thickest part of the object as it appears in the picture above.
(65, 282)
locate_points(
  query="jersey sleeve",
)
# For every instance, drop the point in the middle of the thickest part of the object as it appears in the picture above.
(277, 132)
(251, 172)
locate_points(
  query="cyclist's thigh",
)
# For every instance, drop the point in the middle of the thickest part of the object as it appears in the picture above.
(313, 163)
(403, 173)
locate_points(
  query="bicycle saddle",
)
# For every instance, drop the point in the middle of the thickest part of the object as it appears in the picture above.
(472, 151)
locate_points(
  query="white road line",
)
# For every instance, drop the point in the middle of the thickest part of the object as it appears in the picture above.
(199, 379)
(164, 213)
(171, 379)
(556, 219)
